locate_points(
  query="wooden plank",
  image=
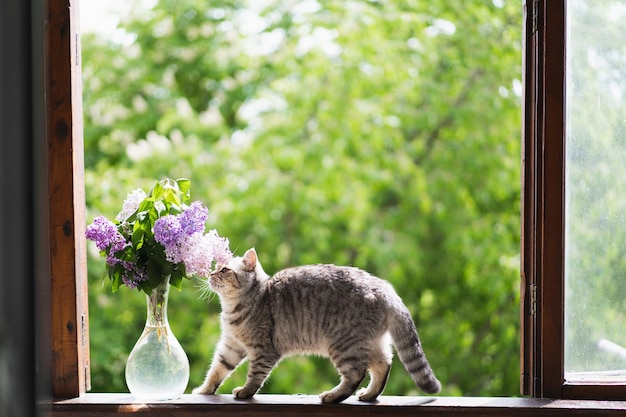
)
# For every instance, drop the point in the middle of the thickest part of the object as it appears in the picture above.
(543, 243)
(527, 244)
(533, 200)
(551, 297)
(606, 390)
(304, 405)
(69, 320)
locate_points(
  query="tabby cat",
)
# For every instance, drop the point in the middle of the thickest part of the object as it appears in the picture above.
(340, 312)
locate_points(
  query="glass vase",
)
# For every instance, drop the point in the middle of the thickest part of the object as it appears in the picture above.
(157, 368)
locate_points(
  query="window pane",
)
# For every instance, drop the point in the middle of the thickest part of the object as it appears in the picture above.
(595, 264)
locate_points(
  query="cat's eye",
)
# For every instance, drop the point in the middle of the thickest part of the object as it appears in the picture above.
(224, 270)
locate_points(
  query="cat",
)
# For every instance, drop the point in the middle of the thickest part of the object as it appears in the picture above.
(340, 312)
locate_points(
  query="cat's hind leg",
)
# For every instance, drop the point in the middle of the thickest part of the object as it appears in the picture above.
(379, 367)
(352, 366)
(379, 374)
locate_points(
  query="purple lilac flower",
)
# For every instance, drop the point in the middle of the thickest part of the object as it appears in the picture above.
(168, 230)
(132, 276)
(129, 281)
(104, 233)
(192, 220)
(174, 252)
(184, 240)
(111, 260)
(174, 232)
(141, 275)
(129, 266)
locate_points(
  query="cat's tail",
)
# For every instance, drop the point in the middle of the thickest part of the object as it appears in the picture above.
(410, 352)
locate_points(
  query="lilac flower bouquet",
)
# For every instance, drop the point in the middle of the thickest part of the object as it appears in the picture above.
(158, 236)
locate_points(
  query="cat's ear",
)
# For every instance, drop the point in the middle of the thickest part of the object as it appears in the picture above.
(250, 260)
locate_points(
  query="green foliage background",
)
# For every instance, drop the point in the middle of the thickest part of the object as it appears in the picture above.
(380, 134)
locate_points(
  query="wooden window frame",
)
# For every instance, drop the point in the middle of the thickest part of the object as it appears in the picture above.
(67, 286)
(62, 288)
(543, 213)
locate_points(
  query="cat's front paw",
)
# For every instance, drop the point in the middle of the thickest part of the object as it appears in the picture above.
(203, 390)
(242, 393)
(333, 396)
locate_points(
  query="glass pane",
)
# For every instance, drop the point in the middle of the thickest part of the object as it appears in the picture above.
(595, 305)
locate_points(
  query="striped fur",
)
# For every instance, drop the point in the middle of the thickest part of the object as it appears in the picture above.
(340, 312)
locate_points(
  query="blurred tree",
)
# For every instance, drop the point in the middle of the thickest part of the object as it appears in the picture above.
(384, 135)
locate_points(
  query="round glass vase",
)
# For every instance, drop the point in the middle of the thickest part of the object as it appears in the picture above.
(157, 368)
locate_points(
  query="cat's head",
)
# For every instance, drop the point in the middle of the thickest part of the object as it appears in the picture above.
(238, 275)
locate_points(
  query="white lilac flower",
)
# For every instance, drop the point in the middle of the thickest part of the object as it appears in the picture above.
(198, 252)
(133, 200)
(196, 256)
(221, 250)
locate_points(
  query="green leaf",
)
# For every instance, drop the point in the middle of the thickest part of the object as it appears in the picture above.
(184, 185)
(157, 191)
(160, 209)
(116, 280)
(172, 200)
(137, 238)
(176, 281)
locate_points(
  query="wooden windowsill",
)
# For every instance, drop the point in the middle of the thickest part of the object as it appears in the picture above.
(189, 405)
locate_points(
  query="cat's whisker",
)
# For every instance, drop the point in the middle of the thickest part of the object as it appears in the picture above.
(204, 289)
